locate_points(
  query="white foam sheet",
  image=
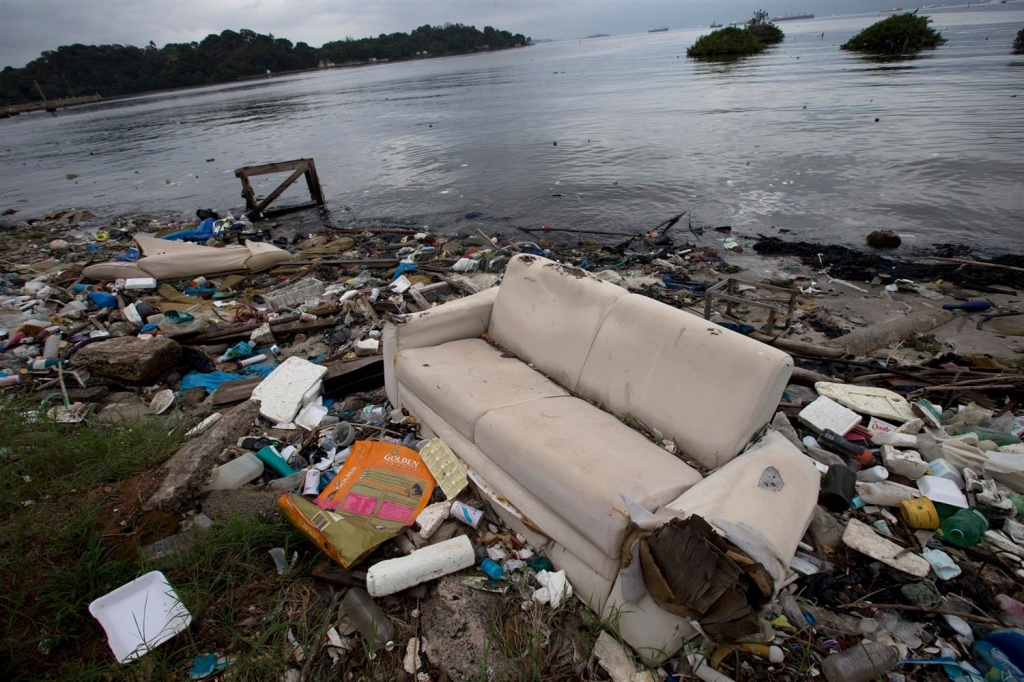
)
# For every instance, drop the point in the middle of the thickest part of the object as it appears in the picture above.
(140, 615)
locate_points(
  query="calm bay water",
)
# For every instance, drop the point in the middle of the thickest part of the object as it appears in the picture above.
(787, 139)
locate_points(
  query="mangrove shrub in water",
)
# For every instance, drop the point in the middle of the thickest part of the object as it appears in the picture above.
(899, 34)
(764, 30)
(731, 41)
(1018, 44)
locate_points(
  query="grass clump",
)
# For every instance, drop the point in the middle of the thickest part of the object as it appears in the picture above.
(899, 34)
(758, 34)
(1018, 43)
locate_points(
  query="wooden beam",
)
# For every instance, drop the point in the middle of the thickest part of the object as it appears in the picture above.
(269, 168)
(298, 173)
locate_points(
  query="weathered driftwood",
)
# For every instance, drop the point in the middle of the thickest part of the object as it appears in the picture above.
(863, 341)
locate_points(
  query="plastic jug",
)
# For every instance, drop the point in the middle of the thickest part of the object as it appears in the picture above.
(964, 528)
(235, 473)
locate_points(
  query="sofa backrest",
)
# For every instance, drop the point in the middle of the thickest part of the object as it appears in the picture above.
(548, 314)
(705, 387)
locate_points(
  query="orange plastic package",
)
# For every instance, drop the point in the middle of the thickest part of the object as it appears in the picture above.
(381, 489)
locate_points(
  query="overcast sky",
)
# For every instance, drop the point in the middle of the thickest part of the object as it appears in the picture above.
(27, 27)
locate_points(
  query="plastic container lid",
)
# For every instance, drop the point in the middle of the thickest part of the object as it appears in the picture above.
(942, 490)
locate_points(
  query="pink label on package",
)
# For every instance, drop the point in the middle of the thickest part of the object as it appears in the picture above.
(359, 504)
(390, 511)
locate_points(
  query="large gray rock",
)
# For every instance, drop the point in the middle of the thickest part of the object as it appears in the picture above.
(458, 628)
(189, 468)
(128, 359)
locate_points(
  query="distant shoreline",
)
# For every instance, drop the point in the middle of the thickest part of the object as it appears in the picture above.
(283, 74)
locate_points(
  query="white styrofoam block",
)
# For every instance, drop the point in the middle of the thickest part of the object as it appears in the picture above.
(282, 392)
(906, 463)
(825, 413)
(395, 575)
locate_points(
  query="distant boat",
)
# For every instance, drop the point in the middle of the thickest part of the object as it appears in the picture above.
(714, 25)
(793, 17)
(657, 30)
(897, 8)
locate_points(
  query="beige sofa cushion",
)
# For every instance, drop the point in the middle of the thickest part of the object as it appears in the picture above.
(541, 519)
(463, 380)
(581, 461)
(548, 318)
(705, 387)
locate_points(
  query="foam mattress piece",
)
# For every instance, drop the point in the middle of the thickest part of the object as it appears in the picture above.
(280, 394)
(165, 260)
(463, 380)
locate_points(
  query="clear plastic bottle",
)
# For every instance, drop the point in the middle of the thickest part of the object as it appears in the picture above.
(290, 482)
(860, 663)
(372, 623)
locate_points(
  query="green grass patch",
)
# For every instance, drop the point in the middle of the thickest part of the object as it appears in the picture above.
(42, 459)
(898, 34)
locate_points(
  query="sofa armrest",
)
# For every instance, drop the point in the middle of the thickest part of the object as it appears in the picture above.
(465, 318)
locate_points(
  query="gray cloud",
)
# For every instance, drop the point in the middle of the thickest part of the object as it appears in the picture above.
(28, 27)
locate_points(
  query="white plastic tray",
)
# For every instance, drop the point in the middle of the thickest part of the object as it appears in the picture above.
(140, 615)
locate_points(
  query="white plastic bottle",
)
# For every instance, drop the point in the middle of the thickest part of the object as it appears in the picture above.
(395, 575)
(235, 473)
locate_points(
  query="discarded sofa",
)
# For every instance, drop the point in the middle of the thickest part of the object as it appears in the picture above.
(533, 384)
(165, 259)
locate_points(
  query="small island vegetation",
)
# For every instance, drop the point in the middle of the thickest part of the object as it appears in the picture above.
(731, 41)
(897, 35)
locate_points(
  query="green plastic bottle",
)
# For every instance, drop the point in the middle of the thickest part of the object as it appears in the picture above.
(1018, 502)
(964, 528)
(997, 437)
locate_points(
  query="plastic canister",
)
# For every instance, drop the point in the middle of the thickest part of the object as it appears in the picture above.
(873, 474)
(433, 561)
(943, 469)
(964, 528)
(838, 488)
(471, 516)
(920, 513)
(273, 461)
(235, 473)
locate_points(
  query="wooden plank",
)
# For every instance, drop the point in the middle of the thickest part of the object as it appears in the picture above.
(269, 168)
(234, 391)
(313, 182)
(280, 189)
(249, 194)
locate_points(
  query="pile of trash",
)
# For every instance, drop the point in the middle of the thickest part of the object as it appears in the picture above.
(913, 565)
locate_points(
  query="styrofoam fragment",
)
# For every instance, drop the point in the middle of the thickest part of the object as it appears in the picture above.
(431, 518)
(825, 413)
(281, 393)
(906, 463)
